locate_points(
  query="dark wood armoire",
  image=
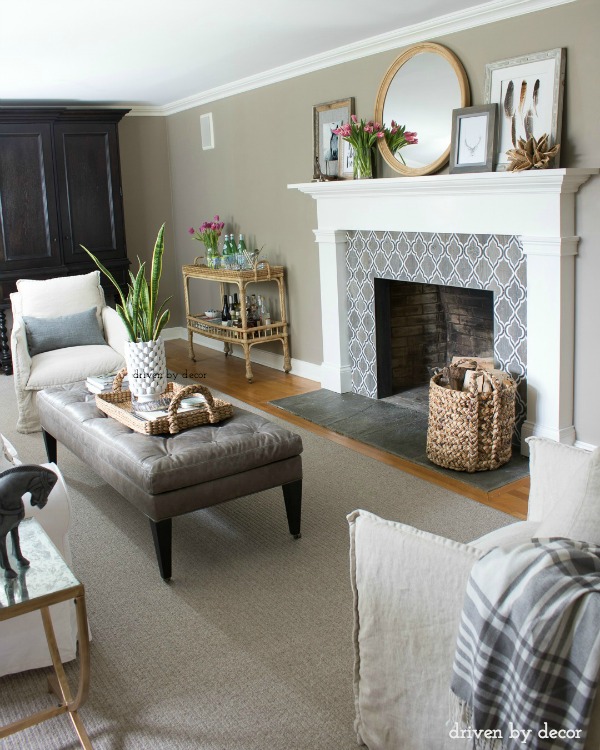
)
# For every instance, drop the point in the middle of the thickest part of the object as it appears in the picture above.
(60, 188)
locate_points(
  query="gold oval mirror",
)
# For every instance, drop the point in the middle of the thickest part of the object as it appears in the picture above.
(420, 90)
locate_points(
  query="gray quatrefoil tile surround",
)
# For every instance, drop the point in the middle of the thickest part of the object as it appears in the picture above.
(492, 262)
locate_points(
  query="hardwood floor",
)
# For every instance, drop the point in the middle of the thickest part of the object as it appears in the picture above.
(227, 374)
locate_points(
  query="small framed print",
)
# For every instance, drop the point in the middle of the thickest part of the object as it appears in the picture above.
(326, 144)
(473, 143)
(346, 169)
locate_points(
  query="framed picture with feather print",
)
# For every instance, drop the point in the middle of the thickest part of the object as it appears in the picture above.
(529, 93)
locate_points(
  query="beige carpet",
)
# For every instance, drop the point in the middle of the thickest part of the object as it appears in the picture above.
(249, 647)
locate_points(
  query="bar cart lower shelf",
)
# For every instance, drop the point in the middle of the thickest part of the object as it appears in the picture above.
(245, 336)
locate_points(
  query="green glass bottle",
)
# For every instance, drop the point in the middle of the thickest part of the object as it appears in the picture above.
(241, 249)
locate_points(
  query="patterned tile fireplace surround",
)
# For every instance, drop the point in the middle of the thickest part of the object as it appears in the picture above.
(495, 263)
(509, 233)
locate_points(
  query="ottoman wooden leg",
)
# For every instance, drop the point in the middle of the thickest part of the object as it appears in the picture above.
(292, 496)
(50, 445)
(161, 533)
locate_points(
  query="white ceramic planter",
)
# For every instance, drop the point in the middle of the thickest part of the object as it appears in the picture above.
(147, 368)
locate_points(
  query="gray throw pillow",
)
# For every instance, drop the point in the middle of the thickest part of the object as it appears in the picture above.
(47, 334)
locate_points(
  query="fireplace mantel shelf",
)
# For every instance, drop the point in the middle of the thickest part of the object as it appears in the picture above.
(493, 183)
(522, 203)
(538, 207)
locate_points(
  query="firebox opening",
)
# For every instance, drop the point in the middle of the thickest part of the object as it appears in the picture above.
(419, 327)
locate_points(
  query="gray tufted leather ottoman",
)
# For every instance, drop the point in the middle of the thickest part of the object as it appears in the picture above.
(166, 476)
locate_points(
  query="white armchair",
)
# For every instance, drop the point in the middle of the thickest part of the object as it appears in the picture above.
(54, 298)
(409, 587)
(22, 640)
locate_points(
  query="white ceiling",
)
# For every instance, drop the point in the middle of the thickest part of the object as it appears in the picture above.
(159, 52)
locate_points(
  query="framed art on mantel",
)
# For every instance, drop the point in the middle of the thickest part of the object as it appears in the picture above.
(346, 170)
(328, 148)
(529, 94)
(473, 142)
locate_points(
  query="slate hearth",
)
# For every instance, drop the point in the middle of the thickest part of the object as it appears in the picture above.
(396, 427)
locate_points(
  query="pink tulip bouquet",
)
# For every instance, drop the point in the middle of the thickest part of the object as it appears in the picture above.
(363, 136)
(209, 233)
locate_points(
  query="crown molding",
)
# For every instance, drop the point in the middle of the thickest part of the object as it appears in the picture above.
(479, 15)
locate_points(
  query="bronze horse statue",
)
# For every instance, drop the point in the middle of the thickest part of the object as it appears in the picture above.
(14, 483)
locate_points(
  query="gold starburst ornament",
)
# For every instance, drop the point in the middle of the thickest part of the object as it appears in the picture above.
(531, 154)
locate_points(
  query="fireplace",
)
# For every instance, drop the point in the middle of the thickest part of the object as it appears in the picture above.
(420, 327)
(533, 212)
(476, 264)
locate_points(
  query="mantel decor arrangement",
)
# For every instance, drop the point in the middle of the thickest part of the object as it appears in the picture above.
(516, 129)
(144, 320)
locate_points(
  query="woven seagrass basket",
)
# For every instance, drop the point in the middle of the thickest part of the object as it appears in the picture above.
(471, 431)
(118, 406)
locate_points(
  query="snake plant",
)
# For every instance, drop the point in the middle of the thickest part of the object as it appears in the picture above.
(143, 318)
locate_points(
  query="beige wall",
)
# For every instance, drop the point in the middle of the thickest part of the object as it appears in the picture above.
(264, 141)
(147, 198)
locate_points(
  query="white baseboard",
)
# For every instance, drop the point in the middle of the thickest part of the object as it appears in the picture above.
(176, 332)
(269, 359)
(585, 446)
(565, 436)
(335, 378)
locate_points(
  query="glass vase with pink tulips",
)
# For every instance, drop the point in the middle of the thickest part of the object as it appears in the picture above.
(364, 136)
(209, 233)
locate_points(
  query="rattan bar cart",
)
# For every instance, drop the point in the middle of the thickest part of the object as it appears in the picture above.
(246, 337)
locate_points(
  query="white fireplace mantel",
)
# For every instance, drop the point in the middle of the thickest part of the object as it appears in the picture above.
(536, 206)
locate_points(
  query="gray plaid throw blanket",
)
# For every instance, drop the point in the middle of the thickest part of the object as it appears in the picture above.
(528, 650)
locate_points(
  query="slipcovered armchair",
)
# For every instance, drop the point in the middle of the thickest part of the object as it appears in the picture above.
(23, 642)
(409, 588)
(62, 332)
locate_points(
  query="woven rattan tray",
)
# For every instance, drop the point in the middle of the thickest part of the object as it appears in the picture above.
(118, 406)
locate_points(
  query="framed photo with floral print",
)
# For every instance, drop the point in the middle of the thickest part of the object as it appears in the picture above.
(328, 148)
(529, 93)
(473, 143)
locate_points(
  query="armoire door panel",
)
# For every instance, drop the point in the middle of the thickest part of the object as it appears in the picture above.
(29, 236)
(89, 190)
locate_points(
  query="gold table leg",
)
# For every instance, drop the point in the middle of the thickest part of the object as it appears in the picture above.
(58, 681)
